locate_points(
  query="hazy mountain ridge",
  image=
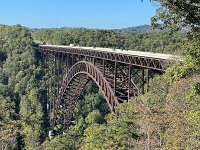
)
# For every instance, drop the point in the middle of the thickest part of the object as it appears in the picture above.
(141, 29)
(145, 28)
(136, 29)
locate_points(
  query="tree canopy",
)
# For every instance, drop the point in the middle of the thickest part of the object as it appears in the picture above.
(166, 117)
(176, 14)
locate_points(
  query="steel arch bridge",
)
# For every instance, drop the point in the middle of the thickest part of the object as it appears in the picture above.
(120, 75)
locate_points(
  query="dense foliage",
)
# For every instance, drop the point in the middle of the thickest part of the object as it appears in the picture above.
(166, 117)
(159, 42)
(22, 113)
(176, 14)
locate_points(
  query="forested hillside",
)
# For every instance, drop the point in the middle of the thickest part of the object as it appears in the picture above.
(166, 117)
(23, 104)
(159, 42)
(170, 106)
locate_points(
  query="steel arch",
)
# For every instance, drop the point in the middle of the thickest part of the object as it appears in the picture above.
(79, 74)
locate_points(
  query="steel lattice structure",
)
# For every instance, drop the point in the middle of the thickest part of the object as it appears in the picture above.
(119, 76)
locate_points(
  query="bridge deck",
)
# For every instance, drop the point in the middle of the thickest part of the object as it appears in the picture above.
(120, 51)
(148, 60)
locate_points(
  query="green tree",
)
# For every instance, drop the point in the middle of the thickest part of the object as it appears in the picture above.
(177, 14)
(20, 83)
(183, 115)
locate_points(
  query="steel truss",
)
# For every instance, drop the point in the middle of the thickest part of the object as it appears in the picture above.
(69, 72)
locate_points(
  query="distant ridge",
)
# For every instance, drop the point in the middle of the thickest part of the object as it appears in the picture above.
(142, 28)
(137, 29)
(145, 28)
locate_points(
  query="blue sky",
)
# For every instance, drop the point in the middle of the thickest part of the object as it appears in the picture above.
(105, 14)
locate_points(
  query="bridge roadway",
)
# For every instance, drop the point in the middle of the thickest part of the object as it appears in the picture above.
(148, 60)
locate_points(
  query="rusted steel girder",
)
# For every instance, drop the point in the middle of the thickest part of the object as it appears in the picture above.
(118, 81)
(139, 61)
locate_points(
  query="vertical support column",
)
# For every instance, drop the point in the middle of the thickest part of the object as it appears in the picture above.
(45, 62)
(129, 81)
(67, 62)
(51, 88)
(58, 74)
(62, 66)
(143, 81)
(42, 58)
(115, 76)
(93, 61)
(104, 68)
(148, 80)
(54, 82)
(79, 57)
(47, 82)
(73, 59)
